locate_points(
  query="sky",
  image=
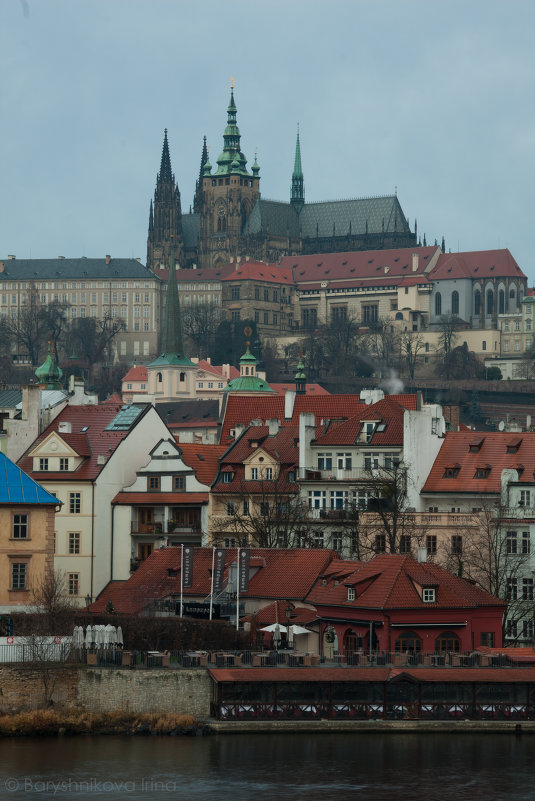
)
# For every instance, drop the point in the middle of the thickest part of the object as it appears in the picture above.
(429, 98)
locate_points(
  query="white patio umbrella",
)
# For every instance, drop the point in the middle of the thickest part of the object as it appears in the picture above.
(78, 637)
(273, 627)
(112, 635)
(277, 635)
(299, 630)
(89, 636)
(99, 638)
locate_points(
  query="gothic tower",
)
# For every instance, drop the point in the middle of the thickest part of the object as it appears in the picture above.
(297, 198)
(228, 195)
(165, 217)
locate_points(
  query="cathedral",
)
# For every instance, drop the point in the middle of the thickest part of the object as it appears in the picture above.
(230, 219)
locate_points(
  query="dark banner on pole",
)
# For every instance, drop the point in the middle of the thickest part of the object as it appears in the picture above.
(219, 569)
(187, 566)
(245, 555)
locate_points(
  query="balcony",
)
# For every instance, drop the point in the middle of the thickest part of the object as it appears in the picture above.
(340, 474)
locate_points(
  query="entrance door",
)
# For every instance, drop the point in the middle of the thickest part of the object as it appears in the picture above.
(144, 549)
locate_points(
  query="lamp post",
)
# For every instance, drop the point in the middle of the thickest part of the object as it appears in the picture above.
(288, 612)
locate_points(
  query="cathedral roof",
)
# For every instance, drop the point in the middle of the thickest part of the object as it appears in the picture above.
(191, 230)
(328, 218)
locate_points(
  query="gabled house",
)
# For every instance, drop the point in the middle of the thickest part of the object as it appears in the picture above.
(85, 457)
(27, 520)
(167, 504)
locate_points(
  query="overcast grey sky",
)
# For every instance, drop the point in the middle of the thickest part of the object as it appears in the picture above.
(434, 98)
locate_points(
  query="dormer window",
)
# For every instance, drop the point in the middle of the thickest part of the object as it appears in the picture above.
(63, 464)
(43, 464)
(512, 447)
(254, 473)
(482, 472)
(227, 477)
(429, 595)
(351, 594)
(451, 471)
(475, 445)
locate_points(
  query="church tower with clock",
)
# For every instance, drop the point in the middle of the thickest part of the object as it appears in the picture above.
(229, 193)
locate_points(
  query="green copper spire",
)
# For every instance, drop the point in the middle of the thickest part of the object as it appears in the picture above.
(49, 373)
(300, 377)
(172, 337)
(248, 381)
(297, 199)
(231, 144)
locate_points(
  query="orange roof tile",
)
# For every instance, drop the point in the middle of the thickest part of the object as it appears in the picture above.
(143, 498)
(476, 264)
(136, 373)
(203, 458)
(311, 389)
(259, 271)
(386, 411)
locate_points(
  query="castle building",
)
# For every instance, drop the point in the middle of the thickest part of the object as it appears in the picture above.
(231, 219)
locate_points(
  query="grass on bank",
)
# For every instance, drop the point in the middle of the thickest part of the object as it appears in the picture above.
(51, 721)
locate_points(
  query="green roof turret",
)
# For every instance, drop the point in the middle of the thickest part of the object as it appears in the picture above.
(255, 169)
(248, 381)
(49, 374)
(300, 377)
(231, 143)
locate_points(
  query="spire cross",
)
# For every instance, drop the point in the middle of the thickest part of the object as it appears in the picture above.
(232, 82)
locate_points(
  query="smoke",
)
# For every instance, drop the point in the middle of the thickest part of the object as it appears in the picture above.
(393, 385)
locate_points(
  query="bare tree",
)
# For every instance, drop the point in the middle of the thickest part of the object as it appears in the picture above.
(447, 337)
(269, 515)
(200, 322)
(412, 345)
(384, 342)
(33, 325)
(93, 337)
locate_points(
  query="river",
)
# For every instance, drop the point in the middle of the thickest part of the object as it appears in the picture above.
(304, 767)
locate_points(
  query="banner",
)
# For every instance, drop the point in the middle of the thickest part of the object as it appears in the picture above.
(219, 569)
(187, 566)
(243, 578)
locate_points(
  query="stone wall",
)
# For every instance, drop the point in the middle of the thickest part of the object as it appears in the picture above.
(185, 692)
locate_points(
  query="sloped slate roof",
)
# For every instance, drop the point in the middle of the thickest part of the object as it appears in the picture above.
(18, 488)
(10, 398)
(191, 229)
(273, 216)
(73, 269)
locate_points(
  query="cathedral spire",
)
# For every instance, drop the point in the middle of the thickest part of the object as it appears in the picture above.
(166, 173)
(165, 216)
(197, 200)
(172, 336)
(231, 143)
(297, 199)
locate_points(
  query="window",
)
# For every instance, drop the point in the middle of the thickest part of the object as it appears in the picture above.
(227, 477)
(343, 461)
(371, 461)
(317, 499)
(487, 638)
(254, 473)
(154, 482)
(74, 583)
(527, 629)
(266, 295)
(231, 509)
(236, 315)
(63, 463)
(511, 628)
(246, 507)
(309, 318)
(268, 474)
(408, 641)
(428, 595)
(337, 542)
(527, 589)
(235, 293)
(405, 543)
(19, 573)
(266, 318)
(351, 594)
(511, 542)
(431, 543)
(180, 482)
(525, 498)
(257, 293)
(75, 502)
(380, 543)
(456, 544)
(447, 643)
(325, 461)
(229, 542)
(455, 302)
(512, 589)
(482, 472)
(264, 508)
(526, 542)
(438, 304)
(370, 314)
(43, 464)
(20, 527)
(74, 542)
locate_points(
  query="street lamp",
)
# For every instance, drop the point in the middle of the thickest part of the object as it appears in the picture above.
(288, 612)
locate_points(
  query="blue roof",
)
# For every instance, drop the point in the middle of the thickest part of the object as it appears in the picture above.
(17, 487)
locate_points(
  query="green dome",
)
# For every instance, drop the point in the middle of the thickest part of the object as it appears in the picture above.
(49, 373)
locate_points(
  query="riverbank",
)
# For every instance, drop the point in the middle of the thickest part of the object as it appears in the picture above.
(368, 726)
(52, 722)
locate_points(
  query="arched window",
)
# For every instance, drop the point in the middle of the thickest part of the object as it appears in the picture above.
(409, 641)
(182, 376)
(455, 302)
(159, 378)
(447, 641)
(438, 304)
(501, 302)
(513, 304)
(477, 302)
(490, 302)
(399, 316)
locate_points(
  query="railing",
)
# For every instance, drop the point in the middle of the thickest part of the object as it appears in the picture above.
(520, 512)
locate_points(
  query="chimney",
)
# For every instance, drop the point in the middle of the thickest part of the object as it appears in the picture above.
(415, 262)
(289, 400)
(65, 427)
(11, 257)
(239, 428)
(61, 258)
(422, 553)
(108, 258)
(419, 400)
(209, 359)
(307, 432)
(273, 426)
(2, 266)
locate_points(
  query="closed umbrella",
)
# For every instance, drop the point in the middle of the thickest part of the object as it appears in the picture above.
(277, 635)
(89, 637)
(119, 636)
(290, 636)
(99, 638)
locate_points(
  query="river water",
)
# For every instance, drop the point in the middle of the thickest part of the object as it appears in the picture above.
(304, 767)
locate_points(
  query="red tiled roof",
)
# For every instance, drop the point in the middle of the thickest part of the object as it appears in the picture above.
(388, 411)
(143, 498)
(203, 458)
(287, 574)
(115, 398)
(189, 276)
(455, 450)
(476, 264)
(324, 674)
(388, 582)
(360, 265)
(241, 409)
(217, 369)
(313, 389)
(258, 271)
(90, 443)
(136, 373)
